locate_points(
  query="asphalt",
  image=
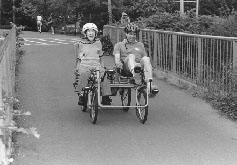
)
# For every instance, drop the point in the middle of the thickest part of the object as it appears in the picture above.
(180, 130)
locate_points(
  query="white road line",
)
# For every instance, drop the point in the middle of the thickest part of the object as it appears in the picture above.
(49, 41)
(41, 44)
(55, 38)
(61, 42)
(46, 44)
(42, 39)
(58, 39)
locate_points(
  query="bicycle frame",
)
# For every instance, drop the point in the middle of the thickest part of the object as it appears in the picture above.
(137, 87)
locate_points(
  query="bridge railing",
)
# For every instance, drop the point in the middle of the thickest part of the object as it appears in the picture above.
(7, 84)
(204, 60)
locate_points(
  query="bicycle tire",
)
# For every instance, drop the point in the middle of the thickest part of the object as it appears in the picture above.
(126, 96)
(142, 112)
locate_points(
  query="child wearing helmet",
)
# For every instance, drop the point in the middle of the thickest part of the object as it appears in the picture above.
(89, 51)
(130, 53)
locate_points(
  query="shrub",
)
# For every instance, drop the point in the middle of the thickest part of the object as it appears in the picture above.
(107, 45)
(212, 25)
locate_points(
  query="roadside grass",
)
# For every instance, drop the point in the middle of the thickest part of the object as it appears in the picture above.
(225, 103)
(20, 52)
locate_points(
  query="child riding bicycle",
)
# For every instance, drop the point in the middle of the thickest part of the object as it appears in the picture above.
(130, 54)
(88, 59)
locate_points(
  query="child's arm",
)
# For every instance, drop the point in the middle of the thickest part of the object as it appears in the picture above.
(78, 53)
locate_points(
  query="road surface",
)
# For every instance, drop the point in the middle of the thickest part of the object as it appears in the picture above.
(180, 130)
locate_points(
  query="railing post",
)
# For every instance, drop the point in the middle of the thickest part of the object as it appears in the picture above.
(199, 64)
(104, 30)
(235, 63)
(235, 69)
(155, 50)
(2, 145)
(174, 44)
(118, 32)
(110, 34)
(140, 36)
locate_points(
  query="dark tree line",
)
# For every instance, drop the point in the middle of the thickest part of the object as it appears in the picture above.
(70, 11)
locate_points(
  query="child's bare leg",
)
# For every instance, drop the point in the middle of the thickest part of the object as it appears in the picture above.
(146, 66)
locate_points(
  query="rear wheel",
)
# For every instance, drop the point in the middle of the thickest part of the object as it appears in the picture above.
(94, 106)
(126, 98)
(142, 112)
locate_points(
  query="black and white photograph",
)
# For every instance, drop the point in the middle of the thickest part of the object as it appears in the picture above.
(118, 82)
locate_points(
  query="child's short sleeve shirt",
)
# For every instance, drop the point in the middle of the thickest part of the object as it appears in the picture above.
(124, 49)
(90, 53)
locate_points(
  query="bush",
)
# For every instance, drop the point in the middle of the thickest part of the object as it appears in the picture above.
(107, 45)
(211, 25)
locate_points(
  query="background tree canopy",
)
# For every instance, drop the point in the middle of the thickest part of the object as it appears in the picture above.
(70, 11)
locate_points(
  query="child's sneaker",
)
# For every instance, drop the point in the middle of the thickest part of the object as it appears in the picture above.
(75, 85)
(106, 100)
(81, 98)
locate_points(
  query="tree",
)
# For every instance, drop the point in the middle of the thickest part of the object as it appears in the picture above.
(217, 7)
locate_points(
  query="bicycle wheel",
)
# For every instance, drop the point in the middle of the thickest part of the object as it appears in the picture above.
(126, 98)
(94, 106)
(142, 112)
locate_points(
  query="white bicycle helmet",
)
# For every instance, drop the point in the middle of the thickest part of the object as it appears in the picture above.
(89, 26)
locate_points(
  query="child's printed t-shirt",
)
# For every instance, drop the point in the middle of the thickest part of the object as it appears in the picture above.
(124, 49)
(90, 53)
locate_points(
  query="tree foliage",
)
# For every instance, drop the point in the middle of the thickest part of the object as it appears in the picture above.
(70, 11)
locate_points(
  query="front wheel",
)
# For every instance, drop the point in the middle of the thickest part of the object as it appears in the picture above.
(126, 98)
(94, 106)
(142, 112)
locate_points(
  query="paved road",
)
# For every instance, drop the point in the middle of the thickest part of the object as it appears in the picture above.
(181, 130)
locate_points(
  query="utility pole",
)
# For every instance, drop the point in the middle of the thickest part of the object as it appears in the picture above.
(197, 8)
(0, 14)
(110, 12)
(13, 11)
(182, 6)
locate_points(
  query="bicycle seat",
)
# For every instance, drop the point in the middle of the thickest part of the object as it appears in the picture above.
(123, 73)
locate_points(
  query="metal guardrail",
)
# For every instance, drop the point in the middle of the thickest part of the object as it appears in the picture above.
(204, 60)
(7, 83)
